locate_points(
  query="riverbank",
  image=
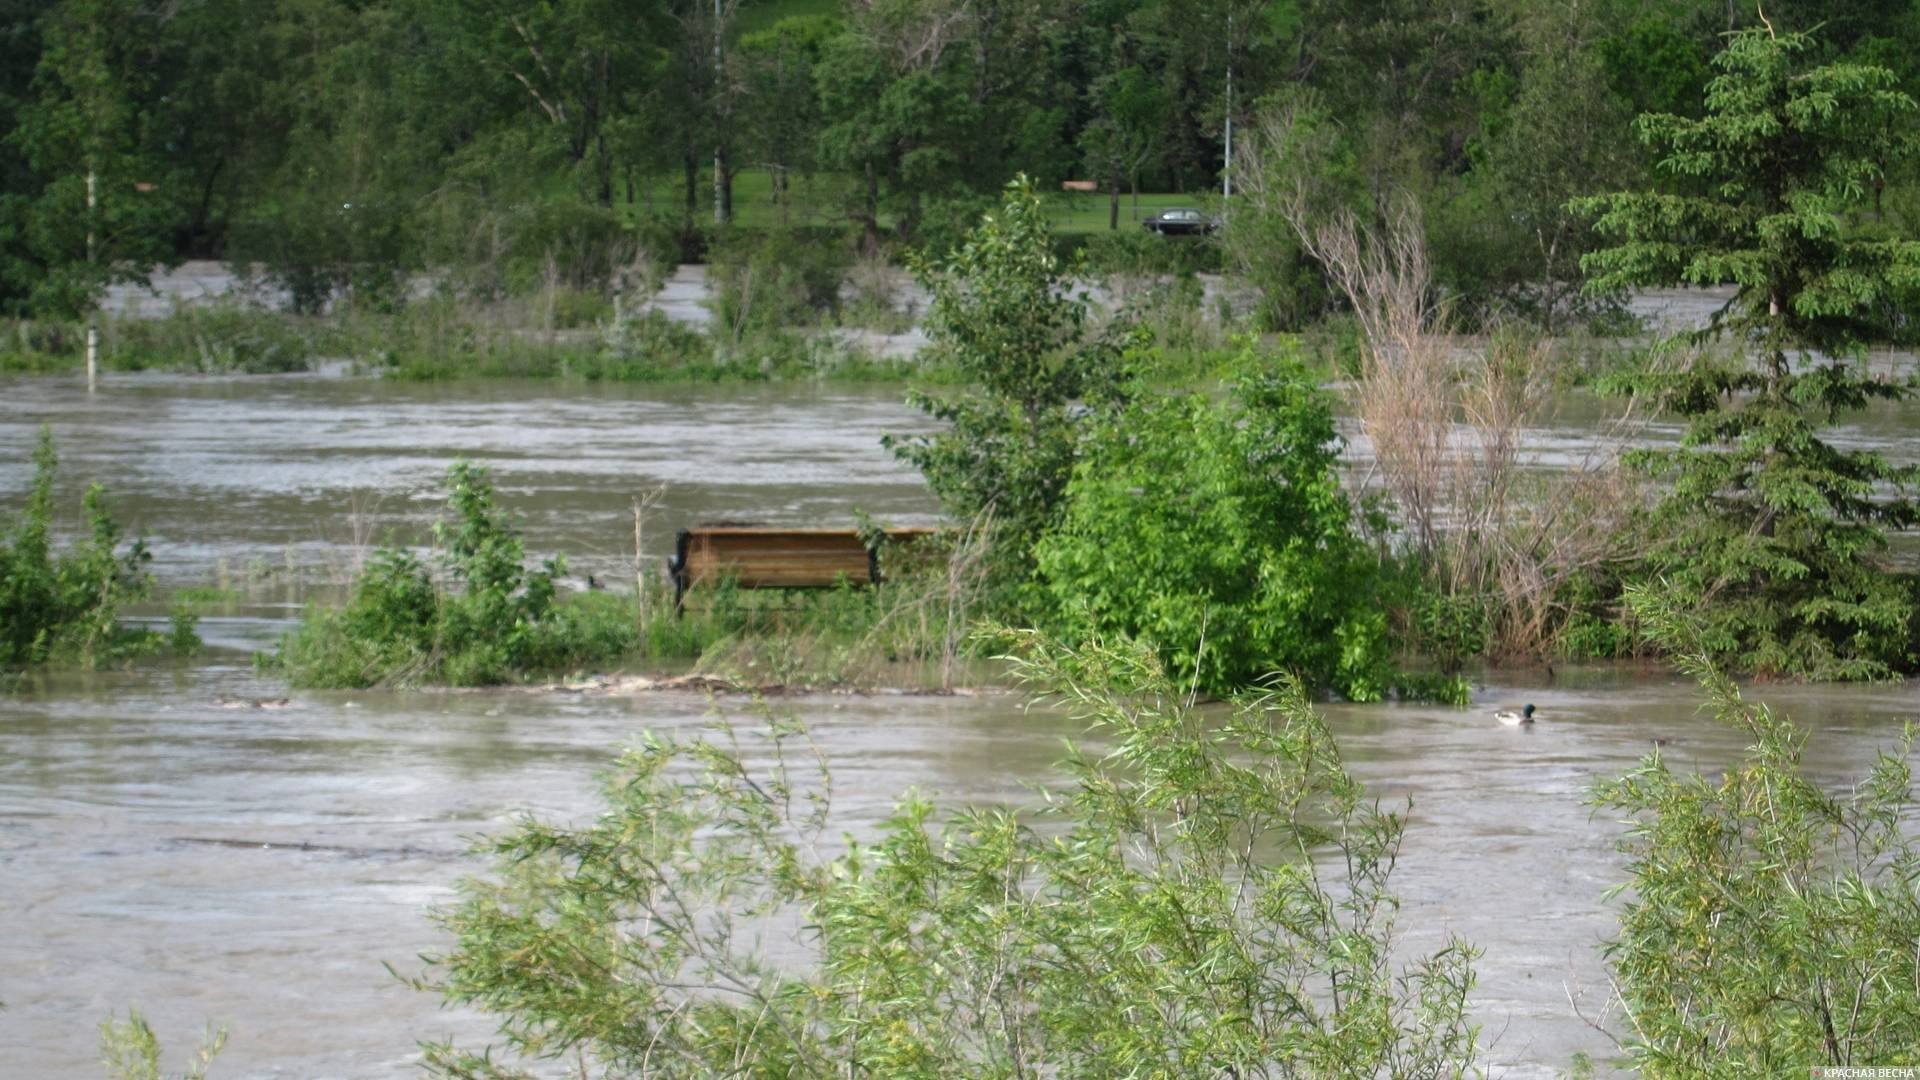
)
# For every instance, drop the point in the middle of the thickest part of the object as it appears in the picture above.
(686, 326)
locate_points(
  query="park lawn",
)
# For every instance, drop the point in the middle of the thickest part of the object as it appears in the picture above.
(825, 198)
(820, 199)
(1071, 212)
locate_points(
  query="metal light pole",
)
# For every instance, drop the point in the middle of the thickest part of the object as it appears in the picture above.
(719, 145)
(93, 312)
(1226, 175)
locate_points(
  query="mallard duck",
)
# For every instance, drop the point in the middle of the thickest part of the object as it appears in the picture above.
(1515, 719)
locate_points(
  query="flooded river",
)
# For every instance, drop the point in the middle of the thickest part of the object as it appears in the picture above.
(258, 867)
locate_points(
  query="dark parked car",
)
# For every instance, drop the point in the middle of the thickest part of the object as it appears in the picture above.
(1180, 223)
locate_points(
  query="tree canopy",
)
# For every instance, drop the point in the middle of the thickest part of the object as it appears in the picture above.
(250, 126)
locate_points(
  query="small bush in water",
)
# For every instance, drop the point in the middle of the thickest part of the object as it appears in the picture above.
(66, 605)
(1209, 900)
(1220, 531)
(131, 1051)
(486, 619)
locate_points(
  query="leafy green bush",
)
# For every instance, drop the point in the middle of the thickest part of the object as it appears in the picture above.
(39, 345)
(212, 339)
(1209, 899)
(1137, 252)
(1003, 316)
(487, 620)
(570, 308)
(1220, 532)
(1771, 925)
(774, 280)
(322, 250)
(66, 605)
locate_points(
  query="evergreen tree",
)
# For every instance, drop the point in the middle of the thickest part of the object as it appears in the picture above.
(1774, 532)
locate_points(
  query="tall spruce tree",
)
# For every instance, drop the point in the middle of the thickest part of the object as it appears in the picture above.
(1778, 535)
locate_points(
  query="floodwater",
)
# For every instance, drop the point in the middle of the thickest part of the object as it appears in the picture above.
(168, 845)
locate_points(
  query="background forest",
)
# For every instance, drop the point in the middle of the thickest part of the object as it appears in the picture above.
(342, 145)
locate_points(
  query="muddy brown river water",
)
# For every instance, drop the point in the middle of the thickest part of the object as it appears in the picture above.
(257, 868)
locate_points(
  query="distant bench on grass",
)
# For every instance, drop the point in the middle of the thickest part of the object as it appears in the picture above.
(761, 557)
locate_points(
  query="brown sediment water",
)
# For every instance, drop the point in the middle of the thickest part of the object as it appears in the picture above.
(256, 867)
(165, 845)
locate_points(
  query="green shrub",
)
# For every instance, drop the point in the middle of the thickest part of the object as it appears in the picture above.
(1771, 925)
(131, 1050)
(486, 620)
(573, 308)
(1209, 899)
(1220, 532)
(35, 346)
(774, 280)
(323, 251)
(1136, 252)
(1003, 318)
(211, 339)
(66, 605)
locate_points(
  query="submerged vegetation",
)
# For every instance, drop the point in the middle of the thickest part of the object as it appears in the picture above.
(445, 338)
(65, 606)
(472, 614)
(1770, 924)
(484, 619)
(1208, 899)
(1143, 467)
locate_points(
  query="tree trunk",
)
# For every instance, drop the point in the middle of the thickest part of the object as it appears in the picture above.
(722, 186)
(1113, 201)
(692, 166)
(603, 169)
(872, 210)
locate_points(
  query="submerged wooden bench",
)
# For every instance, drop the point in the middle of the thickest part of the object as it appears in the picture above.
(762, 557)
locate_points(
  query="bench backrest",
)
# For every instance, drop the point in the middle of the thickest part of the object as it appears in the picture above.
(758, 557)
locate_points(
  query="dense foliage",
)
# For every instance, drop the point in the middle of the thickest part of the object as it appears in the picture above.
(1767, 524)
(1220, 530)
(1771, 924)
(1209, 899)
(344, 143)
(1005, 318)
(65, 605)
(485, 619)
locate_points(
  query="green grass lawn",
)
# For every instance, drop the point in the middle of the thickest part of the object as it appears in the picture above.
(1079, 212)
(821, 199)
(825, 199)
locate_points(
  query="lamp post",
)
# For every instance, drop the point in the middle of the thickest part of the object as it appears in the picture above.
(1226, 174)
(720, 207)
